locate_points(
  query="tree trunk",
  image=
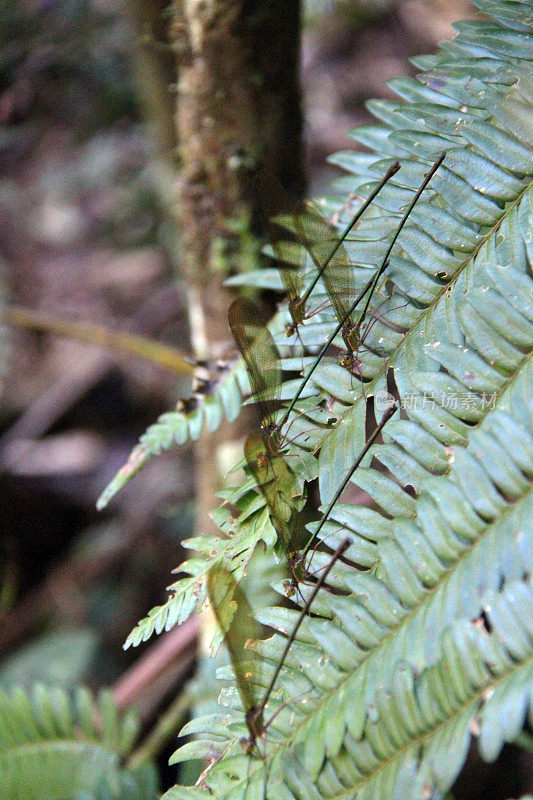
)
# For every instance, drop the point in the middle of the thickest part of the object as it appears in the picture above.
(238, 109)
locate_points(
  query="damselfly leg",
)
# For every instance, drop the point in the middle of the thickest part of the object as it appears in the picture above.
(351, 336)
(293, 225)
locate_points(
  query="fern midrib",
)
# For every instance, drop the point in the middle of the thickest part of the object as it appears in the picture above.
(413, 741)
(429, 592)
(477, 696)
(390, 358)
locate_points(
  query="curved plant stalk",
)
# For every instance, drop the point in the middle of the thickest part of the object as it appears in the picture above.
(157, 353)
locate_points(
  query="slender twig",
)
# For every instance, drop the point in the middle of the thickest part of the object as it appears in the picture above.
(372, 438)
(336, 555)
(157, 353)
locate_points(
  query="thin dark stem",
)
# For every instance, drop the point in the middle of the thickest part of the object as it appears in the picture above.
(316, 362)
(372, 438)
(412, 204)
(370, 286)
(336, 555)
(390, 172)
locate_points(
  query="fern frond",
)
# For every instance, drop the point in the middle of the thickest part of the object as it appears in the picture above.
(234, 549)
(477, 111)
(52, 746)
(432, 642)
(405, 666)
(179, 427)
(443, 297)
(478, 210)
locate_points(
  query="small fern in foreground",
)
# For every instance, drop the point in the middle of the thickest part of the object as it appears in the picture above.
(53, 747)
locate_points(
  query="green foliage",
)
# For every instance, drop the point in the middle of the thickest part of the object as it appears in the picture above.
(55, 658)
(428, 640)
(188, 593)
(178, 427)
(52, 747)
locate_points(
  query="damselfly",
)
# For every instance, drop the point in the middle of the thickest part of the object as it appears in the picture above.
(315, 236)
(351, 334)
(240, 630)
(268, 464)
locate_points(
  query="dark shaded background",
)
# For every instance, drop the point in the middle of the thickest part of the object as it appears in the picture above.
(82, 237)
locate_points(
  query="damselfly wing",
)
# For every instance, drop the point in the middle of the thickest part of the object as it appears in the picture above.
(311, 234)
(275, 479)
(367, 292)
(279, 487)
(275, 204)
(240, 630)
(249, 327)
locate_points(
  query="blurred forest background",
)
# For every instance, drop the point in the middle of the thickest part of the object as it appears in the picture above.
(85, 236)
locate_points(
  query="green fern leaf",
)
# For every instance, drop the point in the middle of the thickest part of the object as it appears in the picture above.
(427, 640)
(51, 746)
(179, 427)
(234, 549)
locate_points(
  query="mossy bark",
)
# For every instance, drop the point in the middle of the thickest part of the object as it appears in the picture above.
(222, 101)
(238, 109)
